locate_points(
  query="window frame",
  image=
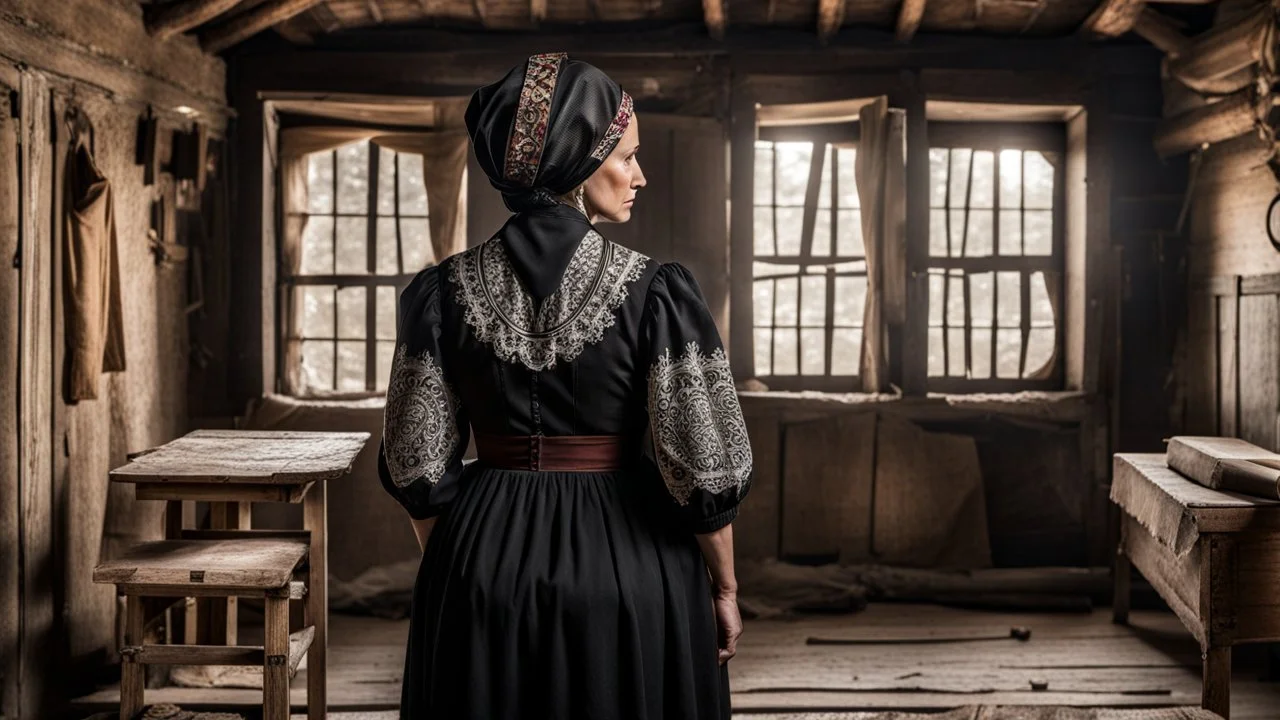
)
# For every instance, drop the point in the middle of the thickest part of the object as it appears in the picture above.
(996, 136)
(290, 286)
(823, 134)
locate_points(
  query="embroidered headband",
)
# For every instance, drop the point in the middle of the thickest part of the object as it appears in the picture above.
(533, 118)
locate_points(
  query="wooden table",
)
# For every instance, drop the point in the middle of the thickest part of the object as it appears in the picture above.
(233, 468)
(1213, 556)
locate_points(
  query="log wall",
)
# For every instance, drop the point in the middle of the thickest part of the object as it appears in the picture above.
(58, 515)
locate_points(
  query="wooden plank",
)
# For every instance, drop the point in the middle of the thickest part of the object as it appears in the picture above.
(250, 23)
(1177, 580)
(1228, 365)
(830, 18)
(1259, 324)
(299, 642)
(316, 613)
(252, 563)
(10, 372)
(910, 14)
(1113, 18)
(179, 17)
(828, 480)
(246, 456)
(228, 492)
(198, 534)
(132, 673)
(1234, 115)
(295, 590)
(275, 680)
(1227, 48)
(915, 334)
(742, 155)
(1158, 29)
(1216, 696)
(1260, 284)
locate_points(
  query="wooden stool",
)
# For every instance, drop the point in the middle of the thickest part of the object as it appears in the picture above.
(254, 567)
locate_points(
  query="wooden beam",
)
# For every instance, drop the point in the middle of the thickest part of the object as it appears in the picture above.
(180, 17)
(482, 12)
(1234, 115)
(375, 11)
(537, 11)
(1113, 18)
(909, 17)
(294, 32)
(713, 14)
(1160, 30)
(830, 18)
(253, 22)
(1227, 49)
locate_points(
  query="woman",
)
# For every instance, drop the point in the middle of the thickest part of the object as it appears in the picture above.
(582, 567)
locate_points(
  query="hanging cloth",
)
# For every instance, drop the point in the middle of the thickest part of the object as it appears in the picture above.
(91, 275)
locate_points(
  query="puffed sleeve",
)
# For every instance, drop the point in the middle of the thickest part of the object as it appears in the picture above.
(424, 428)
(700, 439)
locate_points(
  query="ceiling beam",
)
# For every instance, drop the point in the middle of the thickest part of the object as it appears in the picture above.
(537, 11)
(830, 18)
(180, 17)
(713, 15)
(1160, 30)
(909, 17)
(375, 12)
(1113, 18)
(481, 12)
(253, 22)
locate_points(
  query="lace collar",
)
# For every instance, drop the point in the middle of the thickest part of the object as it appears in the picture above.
(502, 314)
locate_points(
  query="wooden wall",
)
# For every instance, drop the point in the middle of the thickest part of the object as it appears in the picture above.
(58, 514)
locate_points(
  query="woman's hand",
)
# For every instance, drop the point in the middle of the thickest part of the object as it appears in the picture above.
(728, 623)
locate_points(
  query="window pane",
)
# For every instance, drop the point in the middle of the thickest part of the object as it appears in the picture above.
(353, 178)
(813, 301)
(822, 233)
(980, 300)
(980, 230)
(851, 296)
(1011, 179)
(784, 352)
(980, 342)
(351, 361)
(793, 171)
(386, 181)
(1039, 180)
(787, 302)
(413, 189)
(387, 260)
(352, 307)
(1039, 232)
(1010, 232)
(386, 353)
(768, 269)
(1009, 299)
(936, 368)
(957, 230)
(386, 299)
(1039, 350)
(828, 170)
(955, 348)
(846, 351)
(764, 342)
(938, 233)
(320, 182)
(764, 173)
(415, 236)
(849, 233)
(961, 159)
(317, 246)
(938, 158)
(955, 300)
(790, 223)
(317, 311)
(1008, 353)
(763, 310)
(982, 194)
(846, 168)
(763, 231)
(317, 364)
(813, 349)
(936, 280)
(353, 245)
(1041, 309)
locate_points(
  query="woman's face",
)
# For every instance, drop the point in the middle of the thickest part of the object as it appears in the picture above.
(611, 190)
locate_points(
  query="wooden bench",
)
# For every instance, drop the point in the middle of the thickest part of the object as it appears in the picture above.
(1213, 556)
(248, 567)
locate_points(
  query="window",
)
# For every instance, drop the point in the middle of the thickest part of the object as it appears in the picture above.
(809, 269)
(366, 236)
(995, 256)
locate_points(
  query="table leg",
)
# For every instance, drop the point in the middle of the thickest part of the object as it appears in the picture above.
(1122, 587)
(1216, 693)
(275, 669)
(132, 672)
(315, 519)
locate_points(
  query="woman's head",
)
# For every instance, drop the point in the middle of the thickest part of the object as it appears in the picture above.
(551, 126)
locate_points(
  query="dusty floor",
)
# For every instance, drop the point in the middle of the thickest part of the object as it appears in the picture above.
(903, 657)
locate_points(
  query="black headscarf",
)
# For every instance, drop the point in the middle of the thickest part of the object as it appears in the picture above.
(538, 133)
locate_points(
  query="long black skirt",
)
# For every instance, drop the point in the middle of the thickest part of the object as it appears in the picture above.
(562, 595)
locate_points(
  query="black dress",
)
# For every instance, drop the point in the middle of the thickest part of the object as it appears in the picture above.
(563, 595)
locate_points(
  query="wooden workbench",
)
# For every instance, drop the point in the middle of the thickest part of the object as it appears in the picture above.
(1213, 556)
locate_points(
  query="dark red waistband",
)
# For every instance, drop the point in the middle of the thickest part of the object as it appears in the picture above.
(571, 453)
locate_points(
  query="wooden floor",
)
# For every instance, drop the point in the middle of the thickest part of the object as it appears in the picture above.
(906, 657)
